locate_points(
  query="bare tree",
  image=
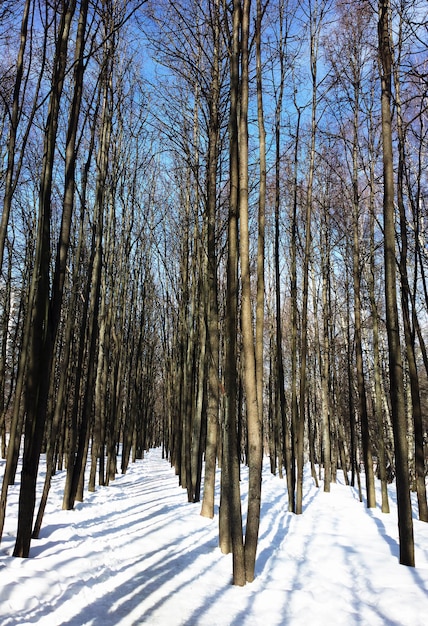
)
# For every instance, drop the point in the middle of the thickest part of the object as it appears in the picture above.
(40, 349)
(213, 315)
(405, 523)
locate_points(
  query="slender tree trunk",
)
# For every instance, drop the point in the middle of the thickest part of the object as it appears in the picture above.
(62, 249)
(15, 426)
(197, 332)
(99, 429)
(42, 337)
(77, 456)
(409, 331)
(261, 218)
(254, 430)
(293, 271)
(76, 468)
(5, 338)
(362, 398)
(212, 315)
(199, 424)
(325, 354)
(287, 444)
(405, 522)
(14, 121)
(230, 461)
(377, 380)
(300, 428)
(78, 381)
(377, 373)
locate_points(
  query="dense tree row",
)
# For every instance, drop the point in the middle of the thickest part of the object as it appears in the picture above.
(213, 239)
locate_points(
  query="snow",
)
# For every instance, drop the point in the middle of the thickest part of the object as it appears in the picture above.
(136, 552)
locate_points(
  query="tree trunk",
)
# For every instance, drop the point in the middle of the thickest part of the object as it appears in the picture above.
(42, 336)
(405, 522)
(287, 444)
(62, 252)
(230, 461)
(293, 280)
(77, 456)
(409, 331)
(212, 314)
(325, 353)
(362, 399)
(377, 373)
(254, 430)
(261, 219)
(300, 427)
(14, 121)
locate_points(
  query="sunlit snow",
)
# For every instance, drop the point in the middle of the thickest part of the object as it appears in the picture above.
(136, 552)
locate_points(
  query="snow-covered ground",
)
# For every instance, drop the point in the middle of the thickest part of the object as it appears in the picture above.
(137, 553)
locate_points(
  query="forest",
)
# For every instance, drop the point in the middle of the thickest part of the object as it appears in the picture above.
(214, 241)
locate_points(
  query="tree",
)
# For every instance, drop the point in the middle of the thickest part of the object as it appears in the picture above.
(64, 238)
(80, 436)
(230, 504)
(316, 15)
(254, 423)
(286, 447)
(40, 337)
(355, 64)
(13, 169)
(212, 315)
(405, 523)
(407, 302)
(377, 373)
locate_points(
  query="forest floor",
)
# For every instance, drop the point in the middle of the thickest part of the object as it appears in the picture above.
(136, 552)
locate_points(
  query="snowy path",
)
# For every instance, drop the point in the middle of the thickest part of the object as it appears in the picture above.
(137, 553)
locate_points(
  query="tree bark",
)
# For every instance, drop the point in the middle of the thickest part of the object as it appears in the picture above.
(377, 374)
(212, 314)
(254, 430)
(230, 458)
(405, 522)
(41, 337)
(408, 315)
(362, 398)
(287, 444)
(300, 426)
(14, 121)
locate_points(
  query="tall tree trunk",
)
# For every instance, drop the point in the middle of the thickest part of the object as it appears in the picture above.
(5, 338)
(99, 429)
(281, 417)
(63, 246)
(42, 338)
(230, 461)
(77, 456)
(212, 314)
(293, 280)
(261, 218)
(300, 427)
(254, 430)
(405, 522)
(16, 426)
(325, 353)
(197, 339)
(362, 398)
(409, 330)
(350, 380)
(376, 352)
(14, 121)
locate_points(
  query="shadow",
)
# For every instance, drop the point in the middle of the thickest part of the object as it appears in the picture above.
(281, 528)
(393, 545)
(112, 585)
(125, 598)
(49, 529)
